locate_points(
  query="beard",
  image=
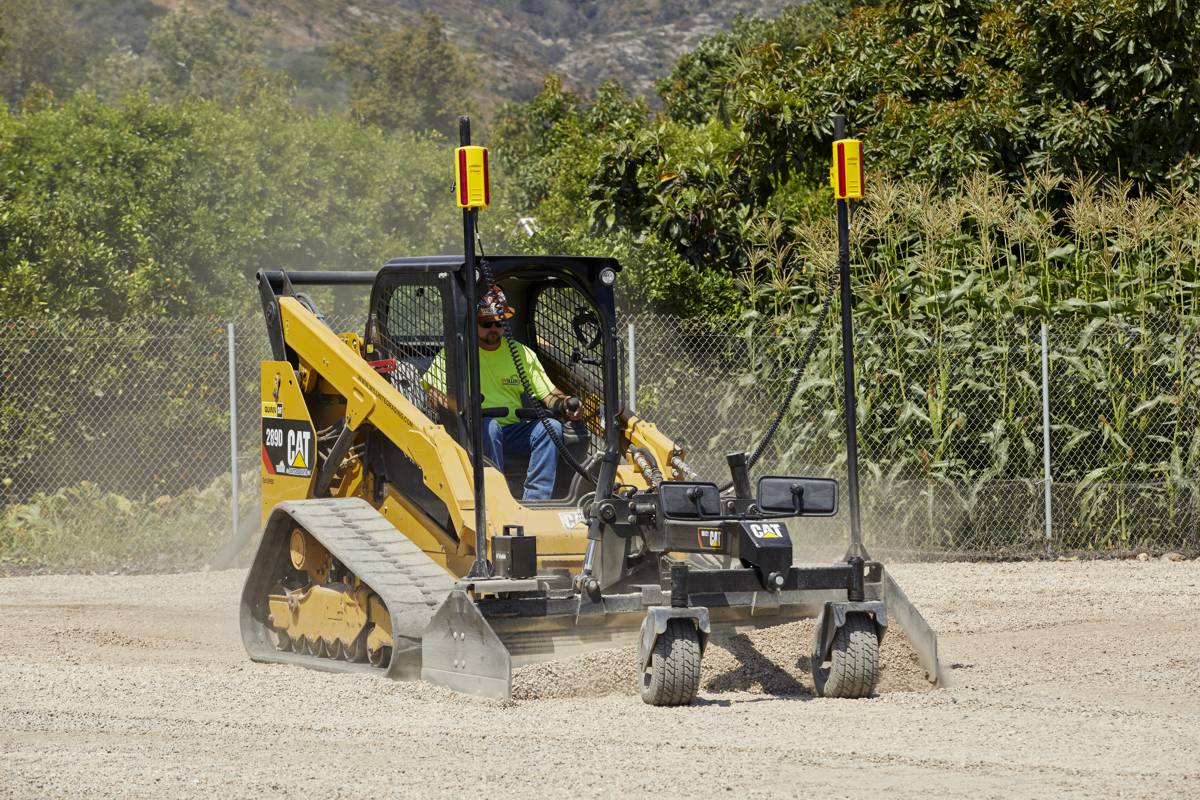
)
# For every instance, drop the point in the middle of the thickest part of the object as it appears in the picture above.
(491, 338)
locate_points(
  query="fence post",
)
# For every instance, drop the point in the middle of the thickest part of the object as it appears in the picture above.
(233, 448)
(1046, 434)
(630, 365)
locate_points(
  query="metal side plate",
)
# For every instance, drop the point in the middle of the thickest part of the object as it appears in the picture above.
(924, 640)
(461, 651)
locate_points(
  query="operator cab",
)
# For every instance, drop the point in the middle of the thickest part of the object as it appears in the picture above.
(564, 313)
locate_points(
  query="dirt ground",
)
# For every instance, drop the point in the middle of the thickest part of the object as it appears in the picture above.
(1068, 680)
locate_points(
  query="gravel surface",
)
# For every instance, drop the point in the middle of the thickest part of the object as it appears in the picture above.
(1068, 679)
(771, 661)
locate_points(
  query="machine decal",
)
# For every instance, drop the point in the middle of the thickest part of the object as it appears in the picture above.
(710, 538)
(392, 407)
(766, 530)
(572, 519)
(287, 447)
(270, 409)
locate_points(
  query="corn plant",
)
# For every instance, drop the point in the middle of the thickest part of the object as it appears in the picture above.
(950, 292)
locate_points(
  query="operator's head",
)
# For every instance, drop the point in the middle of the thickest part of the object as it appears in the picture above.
(493, 310)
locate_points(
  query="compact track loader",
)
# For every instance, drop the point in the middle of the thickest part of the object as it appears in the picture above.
(392, 545)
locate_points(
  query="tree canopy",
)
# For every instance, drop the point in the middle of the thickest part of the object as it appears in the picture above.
(944, 87)
(184, 154)
(157, 182)
(938, 91)
(39, 50)
(412, 78)
(139, 208)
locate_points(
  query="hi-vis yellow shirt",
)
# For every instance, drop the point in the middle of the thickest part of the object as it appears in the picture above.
(498, 379)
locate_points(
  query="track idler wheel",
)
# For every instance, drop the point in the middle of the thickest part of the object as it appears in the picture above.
(281, 640)
(380, 657)
(852, 669)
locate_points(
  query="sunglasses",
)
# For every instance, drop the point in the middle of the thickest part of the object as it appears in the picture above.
(495, 324)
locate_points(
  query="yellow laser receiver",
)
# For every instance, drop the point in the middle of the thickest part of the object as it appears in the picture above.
(846, 173)
(471, 178)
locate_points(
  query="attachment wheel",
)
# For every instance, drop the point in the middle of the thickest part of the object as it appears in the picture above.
(672, 677)
(853, 666)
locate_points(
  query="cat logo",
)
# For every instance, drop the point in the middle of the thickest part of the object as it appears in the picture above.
(572, 519)
(270, 409)
(766, 530)
(710, 538)
(297, 447)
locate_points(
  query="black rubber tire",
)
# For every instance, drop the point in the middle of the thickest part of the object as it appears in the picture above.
(853, 667)
(672, 677)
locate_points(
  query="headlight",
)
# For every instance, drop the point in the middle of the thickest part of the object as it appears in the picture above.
(608, 276)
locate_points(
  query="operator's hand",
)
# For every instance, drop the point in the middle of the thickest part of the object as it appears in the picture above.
(568, 407)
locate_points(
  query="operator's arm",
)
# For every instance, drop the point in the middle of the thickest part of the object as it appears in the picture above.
(434, 382)
(436, 398)
(557, 401)
(550, 395)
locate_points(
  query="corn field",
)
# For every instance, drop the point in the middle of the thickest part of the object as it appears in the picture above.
(951, 291)
(950, 428)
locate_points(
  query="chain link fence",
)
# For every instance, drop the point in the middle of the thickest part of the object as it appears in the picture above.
(953, 448)
(954, 455)
(140, 406)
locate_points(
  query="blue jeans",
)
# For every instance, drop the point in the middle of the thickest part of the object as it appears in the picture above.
(526, 437)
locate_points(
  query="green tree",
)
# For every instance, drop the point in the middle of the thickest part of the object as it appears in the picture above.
(937, 90)
(528, 140)
(39, 47)
(118, 73)
(413, 78)
(942, 88)
(137, 207)
(702, 78)
(213, 56)
(588, 173)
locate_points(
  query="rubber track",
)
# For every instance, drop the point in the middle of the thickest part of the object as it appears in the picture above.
(675, 666)
(854, 663)
(410, 584)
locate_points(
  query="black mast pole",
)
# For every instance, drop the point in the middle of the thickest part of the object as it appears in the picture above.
(848, 384)
(481, 568)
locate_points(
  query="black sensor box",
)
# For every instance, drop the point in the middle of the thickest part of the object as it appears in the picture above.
(514, 555)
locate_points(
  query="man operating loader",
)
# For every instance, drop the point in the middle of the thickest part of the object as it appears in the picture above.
(501, 387)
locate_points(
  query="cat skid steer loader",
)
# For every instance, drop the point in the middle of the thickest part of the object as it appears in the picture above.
(391, 544)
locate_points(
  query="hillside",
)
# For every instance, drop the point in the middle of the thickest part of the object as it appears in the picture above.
(515, 42)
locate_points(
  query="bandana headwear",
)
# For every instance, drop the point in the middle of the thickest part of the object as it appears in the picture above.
(495, 304)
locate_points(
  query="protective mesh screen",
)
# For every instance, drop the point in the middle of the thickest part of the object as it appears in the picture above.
(410, 331)
(566, 333)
